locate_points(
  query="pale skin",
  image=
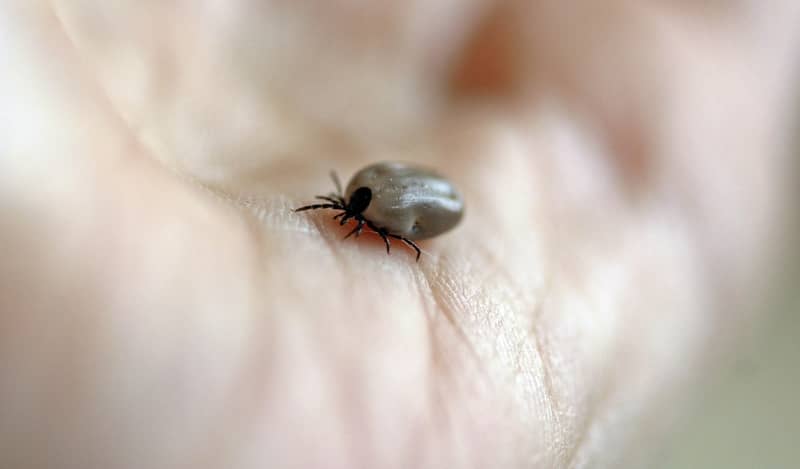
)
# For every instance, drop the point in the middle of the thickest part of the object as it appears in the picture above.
(161, 305)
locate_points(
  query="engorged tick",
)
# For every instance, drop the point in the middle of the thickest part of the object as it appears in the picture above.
(395, 200)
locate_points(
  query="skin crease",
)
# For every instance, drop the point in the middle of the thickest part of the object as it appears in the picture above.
(161, 306)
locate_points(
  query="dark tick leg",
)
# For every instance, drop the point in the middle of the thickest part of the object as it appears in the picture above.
(337, 197)
(345, 218)
(356, 230)
(329, 199)
(385, 240)
(335, 179)
(409, 243)
(339, 215)
(318, 206)
(381, 232)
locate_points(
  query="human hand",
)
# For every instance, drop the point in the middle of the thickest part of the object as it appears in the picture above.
(162, 305)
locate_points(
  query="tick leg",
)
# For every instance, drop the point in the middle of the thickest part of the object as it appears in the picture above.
(338, 198)
(341, 214)
(410, 243)
(385, 239)
(356, 230)
(345, 218)
(335, 179)
(381, 232)
(318, 206)
(329, 199)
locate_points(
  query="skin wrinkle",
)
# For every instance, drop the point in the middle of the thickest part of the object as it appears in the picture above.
(547, 366)
(430, 278)
(437, 407)
(506, 286)
(599, 395)
(582, 431)
(523, 344)
(442, 293)
(108, 103)
(443, 305)
(590, 422)
(338, 246)
(579, 427)
(544, 401)
(439, 374)
(582, 426)
(549, 400)
(347, 374)
(564, 233)
(444, 297)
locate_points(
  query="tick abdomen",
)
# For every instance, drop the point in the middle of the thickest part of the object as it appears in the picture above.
(408, 200)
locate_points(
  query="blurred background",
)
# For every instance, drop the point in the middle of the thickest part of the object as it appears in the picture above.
(747, 415)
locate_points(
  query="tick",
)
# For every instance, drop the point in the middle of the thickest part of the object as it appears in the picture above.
(395, 200)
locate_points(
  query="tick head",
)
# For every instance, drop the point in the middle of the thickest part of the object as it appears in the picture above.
(360, 199)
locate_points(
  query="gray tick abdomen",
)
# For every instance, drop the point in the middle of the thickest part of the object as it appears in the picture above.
(408, 200)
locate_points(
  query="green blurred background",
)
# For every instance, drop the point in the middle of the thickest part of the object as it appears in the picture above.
(748, 417)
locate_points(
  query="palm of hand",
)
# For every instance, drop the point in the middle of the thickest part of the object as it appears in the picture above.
(571, 295)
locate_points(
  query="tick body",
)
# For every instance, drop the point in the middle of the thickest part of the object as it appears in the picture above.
(396, 200)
